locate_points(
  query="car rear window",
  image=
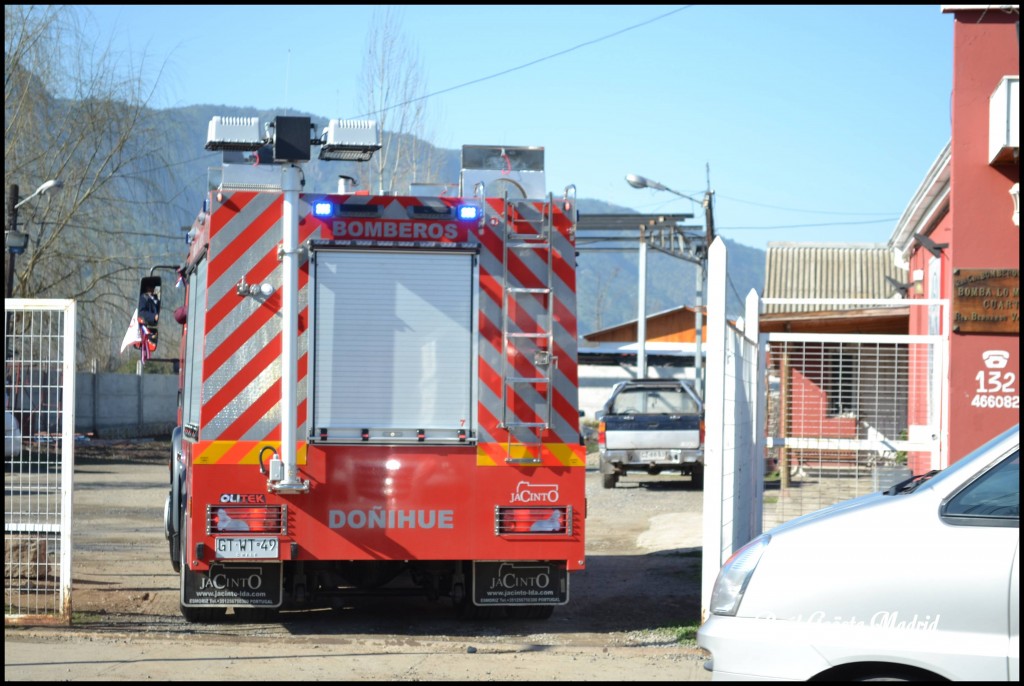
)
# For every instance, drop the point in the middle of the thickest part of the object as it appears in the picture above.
(654, 401)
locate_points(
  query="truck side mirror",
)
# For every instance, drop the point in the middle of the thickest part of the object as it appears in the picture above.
(149, 308)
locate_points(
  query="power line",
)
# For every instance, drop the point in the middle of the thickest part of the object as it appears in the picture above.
(887, 218)
(528, 64)
(793, 209)
(739, 298)
(804, 226)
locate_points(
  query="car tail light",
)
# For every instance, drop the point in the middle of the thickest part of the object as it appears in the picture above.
(533, 520)
(600, 434)
(702, 432)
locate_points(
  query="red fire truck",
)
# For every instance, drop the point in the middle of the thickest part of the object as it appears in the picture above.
(378, 393)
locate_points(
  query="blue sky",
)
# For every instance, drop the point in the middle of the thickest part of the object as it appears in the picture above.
(813, 123)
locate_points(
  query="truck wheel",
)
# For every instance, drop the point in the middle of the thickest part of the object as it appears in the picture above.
(697, 475)
(203, 615)
(255, 615)
(466, 610)
(529, 611)
(194, 615)
(609, 480)
(175, 555)
(173, 543)
(464, 607)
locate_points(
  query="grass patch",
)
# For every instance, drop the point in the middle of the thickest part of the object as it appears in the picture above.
(87, 617)
(686, 634)
(771, 499)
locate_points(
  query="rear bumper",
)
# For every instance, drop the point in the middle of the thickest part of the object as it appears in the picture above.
(629, 460)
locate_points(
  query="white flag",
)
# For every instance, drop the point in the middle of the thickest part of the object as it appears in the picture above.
(132, 335)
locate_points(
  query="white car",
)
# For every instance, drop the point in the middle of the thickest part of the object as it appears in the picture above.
(921, 581)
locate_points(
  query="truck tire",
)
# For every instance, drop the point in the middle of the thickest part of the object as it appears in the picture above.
(255, 615)
(194, 615)
(173, 507)
(174, 547)
(529, 611)
(464, 607)
(203, 615)
(697, 475)
(609, 480)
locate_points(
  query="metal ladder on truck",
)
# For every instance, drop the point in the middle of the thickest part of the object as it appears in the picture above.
(526, 330)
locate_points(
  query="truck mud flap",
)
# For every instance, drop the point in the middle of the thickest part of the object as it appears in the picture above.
(233, 585)
(520, 583)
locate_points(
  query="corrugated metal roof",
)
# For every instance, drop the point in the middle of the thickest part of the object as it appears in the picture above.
(828, 270)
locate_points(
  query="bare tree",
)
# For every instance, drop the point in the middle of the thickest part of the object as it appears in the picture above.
(72, 112)
(394, 86)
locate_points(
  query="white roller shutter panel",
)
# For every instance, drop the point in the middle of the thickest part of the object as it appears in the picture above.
(393, 342)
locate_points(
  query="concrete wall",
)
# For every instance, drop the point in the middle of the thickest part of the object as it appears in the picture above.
(129, 405)
(126, 405)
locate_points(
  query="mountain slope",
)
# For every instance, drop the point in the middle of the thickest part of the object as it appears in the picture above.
(606, 282)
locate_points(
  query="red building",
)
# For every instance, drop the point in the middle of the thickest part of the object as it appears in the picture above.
(960, 236)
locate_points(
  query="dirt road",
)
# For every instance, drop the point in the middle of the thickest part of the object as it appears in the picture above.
(626, 611)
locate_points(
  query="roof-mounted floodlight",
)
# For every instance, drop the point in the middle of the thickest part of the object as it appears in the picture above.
(234, 133)
(353, 140)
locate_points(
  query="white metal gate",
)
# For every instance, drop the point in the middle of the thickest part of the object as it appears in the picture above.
(734, 435)
(798, 422)
(39, 402)
(849, 414)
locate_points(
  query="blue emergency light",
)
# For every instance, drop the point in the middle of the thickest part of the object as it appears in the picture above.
(468, 213)
(323, 208)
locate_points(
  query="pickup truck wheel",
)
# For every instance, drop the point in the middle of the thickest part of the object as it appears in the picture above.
(609, 480)
(698, 476)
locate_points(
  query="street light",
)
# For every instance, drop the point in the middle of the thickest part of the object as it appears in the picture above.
(637, 181)
(15, 240)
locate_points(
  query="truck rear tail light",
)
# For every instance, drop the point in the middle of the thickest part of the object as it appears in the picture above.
(600, 434)
(533, 520)
(702, 432)
(241, 519)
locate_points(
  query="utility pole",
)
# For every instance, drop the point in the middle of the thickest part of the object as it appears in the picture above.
(17, 241)
(641, 320)
(702, 269)
(699, 257)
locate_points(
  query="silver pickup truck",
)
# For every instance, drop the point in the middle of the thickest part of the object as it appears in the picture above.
(651, 425)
